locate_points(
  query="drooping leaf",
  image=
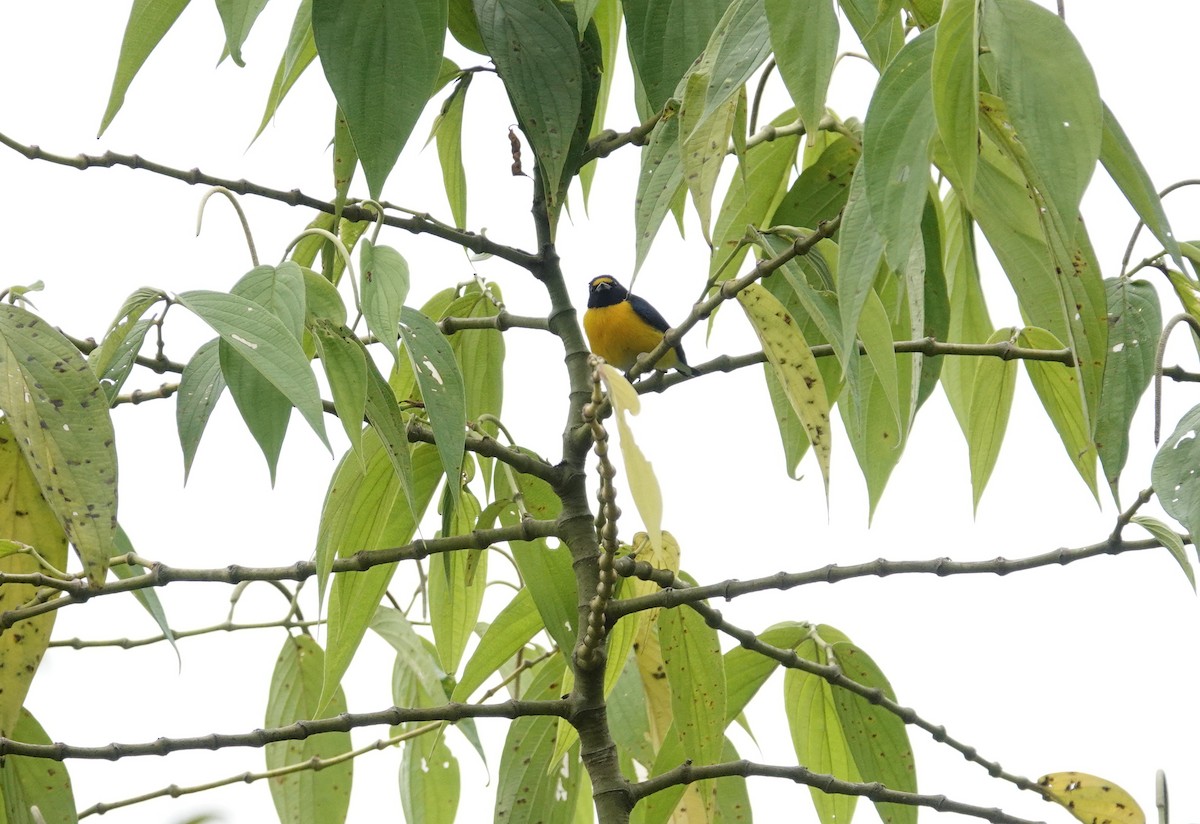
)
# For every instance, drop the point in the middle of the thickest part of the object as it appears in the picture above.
(821, 191)
(1169, 539)
(705, 138)
(456, 584)
(665, 37)
(525, 793)
(146, 596)
(789, 354)
(537, 56)
(429, 780)
(969, 320)
(1125, 167)
(513, 628)
(268, 345)
(1057, 387)
(696, 674)
(607, 18)
(381, 60)
(345, 362)
(447, 131)
(465, 27)
(26, 783)
(545, 572)
(149, 21)
(238, 16)
(751, 199)
(385, 281)
(442, 389)
(860, 255)
(59, 415)
(25, 518)
(1059, 124)
(1092, 800)
(366, 509)
(896, 137)
(991, 401)
(299, 53)
(955, 76)
(877, 739)
(200, 388)
(661, 177)
(878, 26)
(1175, 472)
(306, 796)
(123, 327)
(805, 39)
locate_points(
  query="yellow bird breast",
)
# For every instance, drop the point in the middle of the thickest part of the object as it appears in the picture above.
(618, 334)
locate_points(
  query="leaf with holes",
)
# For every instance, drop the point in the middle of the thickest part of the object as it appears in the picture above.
(1175, 473)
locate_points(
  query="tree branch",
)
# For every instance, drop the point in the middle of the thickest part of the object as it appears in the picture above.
(677, 592)
(835, 677)
(418, 224)
(688, 774)
(292, 732)
(502, 321)
(77, 590)
(931, 347)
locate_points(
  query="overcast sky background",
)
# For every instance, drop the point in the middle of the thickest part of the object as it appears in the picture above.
(1089, 668)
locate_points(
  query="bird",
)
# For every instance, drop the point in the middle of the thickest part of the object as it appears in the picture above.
(621, 326)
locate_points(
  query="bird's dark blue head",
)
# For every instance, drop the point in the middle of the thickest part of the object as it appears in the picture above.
(604, 290)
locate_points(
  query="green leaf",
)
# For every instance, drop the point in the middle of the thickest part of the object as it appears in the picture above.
(877, 23)
(696, 674)
(366, 509)
(821, 191)
(26, 519)
(345, 362)
(413, 657)
(58, 413)
(991, 401)
(1135, 325)
(665, 37)
(200, 388)
(1174, 472)
(345, 162)
(1057, 387)
(969, 320)
(146, 596)
(896, 137)
(479, 352)
(955, 76)
(238, 16)
(381, 60)
(456, 584)
(384, 287)
(268, 345)
(789, 354)
(876, 437)
(747, 670)
(465, 27)
(805, 40)
(512, 629)
(447, 130)
(123, 328)
(935, 298)
(751, 199)
(441, 386)
(525, 793)
(545, 572)
(537, 56)
(661, 177)
(1125, 167)
(817, 734)
(1169, 539)
(875, 329)
(1059, 124)
(299, 53)
(149, 21)
(705, 140)
(429, 780)
(35, 782)
(607, 17)
(877, 738)
(307, 796)
(860, 255)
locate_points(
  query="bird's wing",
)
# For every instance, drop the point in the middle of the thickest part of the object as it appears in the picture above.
(648, 313)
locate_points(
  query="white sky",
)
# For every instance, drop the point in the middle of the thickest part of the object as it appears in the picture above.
(1088, 668)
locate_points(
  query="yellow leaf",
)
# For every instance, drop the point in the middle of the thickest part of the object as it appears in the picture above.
(25, 518)
(789, 355)
(1091, 799)
(643, 485)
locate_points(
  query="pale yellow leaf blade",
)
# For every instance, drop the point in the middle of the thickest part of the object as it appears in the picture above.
(790, 356)
(1091, 799)
(643, 485)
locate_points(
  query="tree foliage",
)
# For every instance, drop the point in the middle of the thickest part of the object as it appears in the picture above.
(851, 245)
